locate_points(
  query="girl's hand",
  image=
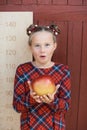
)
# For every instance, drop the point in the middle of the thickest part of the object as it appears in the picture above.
(45, 98)
(49, 97)
(33, 94)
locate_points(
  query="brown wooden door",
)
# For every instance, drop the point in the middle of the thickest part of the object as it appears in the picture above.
(72, 50)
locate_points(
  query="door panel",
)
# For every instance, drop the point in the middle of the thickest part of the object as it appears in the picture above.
(70, 50)
(82, 115)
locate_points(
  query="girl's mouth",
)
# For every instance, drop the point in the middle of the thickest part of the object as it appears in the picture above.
(42, 56)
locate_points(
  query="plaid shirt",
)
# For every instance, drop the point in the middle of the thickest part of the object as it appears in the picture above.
(42, 116)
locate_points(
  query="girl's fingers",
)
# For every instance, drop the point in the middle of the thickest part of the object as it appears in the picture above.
(29, 83)
(58, 85)
(45, 98)
(51, 96)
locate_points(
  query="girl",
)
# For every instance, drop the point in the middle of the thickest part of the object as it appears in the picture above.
(45, 112)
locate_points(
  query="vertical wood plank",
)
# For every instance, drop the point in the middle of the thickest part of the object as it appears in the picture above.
(29, 1)
(73, 59)
(44, 1)
(64, 2)
(82, 115)
(14, 2)
(84, 2)
(2, 1)
(75, 2)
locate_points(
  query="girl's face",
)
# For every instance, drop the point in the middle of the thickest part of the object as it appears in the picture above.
(42, 47)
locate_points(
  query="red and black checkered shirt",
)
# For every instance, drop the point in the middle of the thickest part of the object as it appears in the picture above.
(42, 116)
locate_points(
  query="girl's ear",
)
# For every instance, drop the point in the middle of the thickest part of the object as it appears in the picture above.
(55, 46)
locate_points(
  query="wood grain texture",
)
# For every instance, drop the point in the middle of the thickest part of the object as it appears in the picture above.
(74, 60)
(2, 2)
(60, 2)
(82, 115)
(14, 2)
(75, 2)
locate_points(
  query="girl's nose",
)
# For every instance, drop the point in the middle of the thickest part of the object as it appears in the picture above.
(42, 49)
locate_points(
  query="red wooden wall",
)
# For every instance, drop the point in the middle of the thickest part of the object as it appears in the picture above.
(71, 16)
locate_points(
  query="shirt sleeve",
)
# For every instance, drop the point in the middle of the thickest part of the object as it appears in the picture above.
(22, 100)
(62, 101)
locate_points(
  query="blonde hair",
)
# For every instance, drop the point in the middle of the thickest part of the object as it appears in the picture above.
(32, 29)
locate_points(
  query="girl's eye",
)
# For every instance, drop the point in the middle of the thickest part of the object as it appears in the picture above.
(37, 45)
(47, 44)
